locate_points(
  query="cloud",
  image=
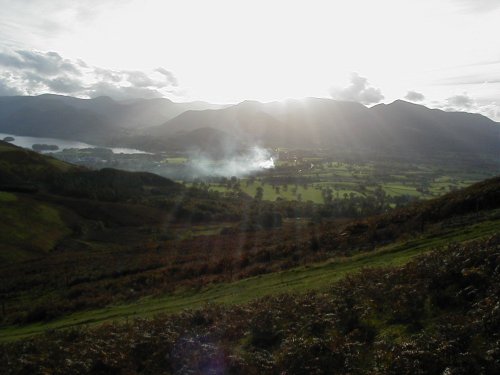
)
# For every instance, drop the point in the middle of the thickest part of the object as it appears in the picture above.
(46, 63)
(122, 92)
(478, 6)
(160, 78)
(169, 75)
(6, 90)
(108, 75)
(466, 103)
(358, 91)
(485, 75)
(22, 20)
(491, 110)
(65, 85)
(414, 96)
(35, 72)
(463, 102)
(140, 79)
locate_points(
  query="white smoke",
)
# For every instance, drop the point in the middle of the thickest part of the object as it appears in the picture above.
(254, 160)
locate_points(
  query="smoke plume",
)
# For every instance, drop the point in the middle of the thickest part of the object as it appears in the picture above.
(253, 160)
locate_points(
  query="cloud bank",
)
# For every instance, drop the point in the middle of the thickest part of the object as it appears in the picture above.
(466, 103)
(414, 96)
(478, 5)
(462, 102)
(358, 91)
(25, 72)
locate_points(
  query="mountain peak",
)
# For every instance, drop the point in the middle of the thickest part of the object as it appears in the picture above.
(400, 105)
(401, 102)
(103, 98)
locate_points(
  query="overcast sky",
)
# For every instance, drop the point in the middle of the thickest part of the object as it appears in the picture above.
(441, 53)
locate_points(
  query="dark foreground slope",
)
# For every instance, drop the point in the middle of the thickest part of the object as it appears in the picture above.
(47, 203)
(50, 205)
(437, 315)
(129, 259)
(101, 238)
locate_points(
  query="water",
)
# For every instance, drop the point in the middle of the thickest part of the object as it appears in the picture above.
(27, 142)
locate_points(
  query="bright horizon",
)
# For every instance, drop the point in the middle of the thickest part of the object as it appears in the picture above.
(442, 54)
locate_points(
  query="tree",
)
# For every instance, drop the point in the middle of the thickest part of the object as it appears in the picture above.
(259, 194)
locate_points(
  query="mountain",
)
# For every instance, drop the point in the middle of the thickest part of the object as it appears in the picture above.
(417, 127)
(144, 113)
(90, 120)
(310, 123)
(162, 125)
(246, 120)
(216, 143)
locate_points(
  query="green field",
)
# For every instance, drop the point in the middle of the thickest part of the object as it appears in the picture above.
(314, 176)
(297, 280)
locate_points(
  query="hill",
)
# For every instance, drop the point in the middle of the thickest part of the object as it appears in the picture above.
(46, 202)
(77, 208)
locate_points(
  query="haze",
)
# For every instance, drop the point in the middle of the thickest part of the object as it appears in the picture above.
(443, 54)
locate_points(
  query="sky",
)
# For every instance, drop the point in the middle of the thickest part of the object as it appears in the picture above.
(440, 53)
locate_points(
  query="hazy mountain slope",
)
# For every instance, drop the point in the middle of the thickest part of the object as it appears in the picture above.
(65, 123)
(417, 127)
(92, 120)
(246, 120)
(397, 127)
(155, 124)
(314, 122)
(211, 141)
(151, 112)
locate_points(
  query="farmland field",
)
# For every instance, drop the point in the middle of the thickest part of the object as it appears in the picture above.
(317, 179)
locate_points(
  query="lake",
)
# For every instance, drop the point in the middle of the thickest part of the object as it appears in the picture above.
(27, 142)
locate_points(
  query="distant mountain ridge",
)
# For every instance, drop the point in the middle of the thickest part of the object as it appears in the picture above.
(399, 126)
(90, 120)
(162, 125)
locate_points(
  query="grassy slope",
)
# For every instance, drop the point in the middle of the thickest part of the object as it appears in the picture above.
(296, 280)
(19, 158)
(33, 224)
(28, 227)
